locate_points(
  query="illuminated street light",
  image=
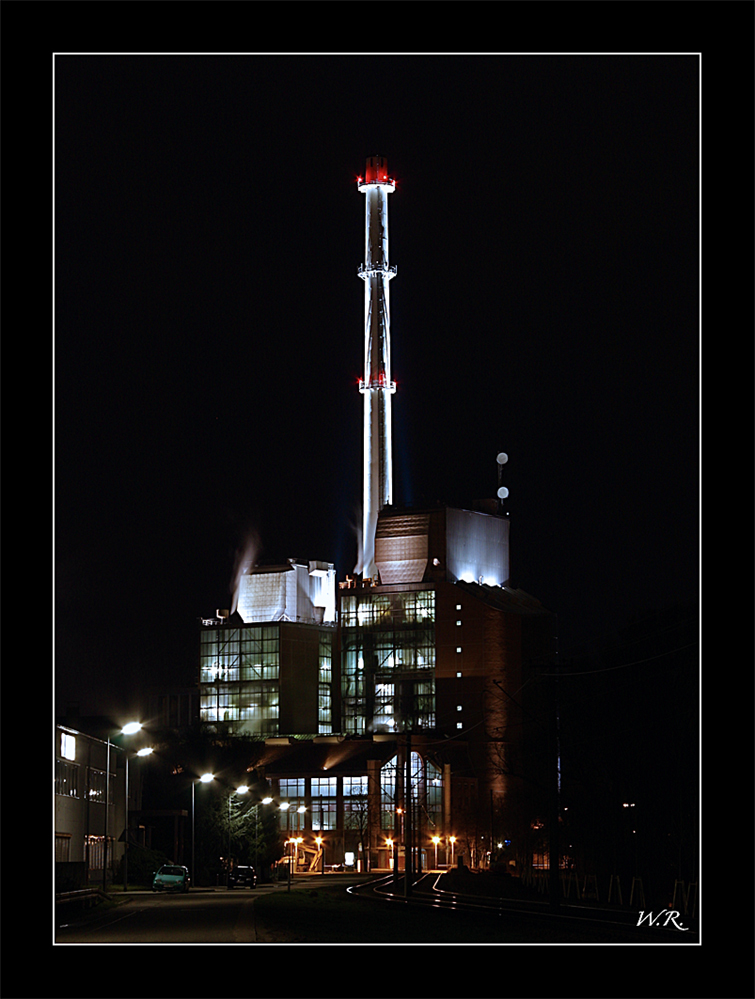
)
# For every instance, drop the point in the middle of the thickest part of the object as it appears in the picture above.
(241, 789)
(389, 842)
(436, 840)
(130, 728)
(452, 840)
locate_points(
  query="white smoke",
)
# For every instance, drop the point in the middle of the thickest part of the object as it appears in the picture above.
(246, 557)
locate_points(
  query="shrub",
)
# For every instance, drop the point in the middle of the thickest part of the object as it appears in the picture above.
(142, 864)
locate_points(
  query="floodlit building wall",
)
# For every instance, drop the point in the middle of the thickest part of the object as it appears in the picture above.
(442, 544)
(294, 592)
(477, 547)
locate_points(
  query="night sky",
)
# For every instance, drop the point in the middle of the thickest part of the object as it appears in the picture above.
(209, 318)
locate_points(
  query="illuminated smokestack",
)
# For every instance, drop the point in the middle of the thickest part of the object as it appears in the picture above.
(376, 386)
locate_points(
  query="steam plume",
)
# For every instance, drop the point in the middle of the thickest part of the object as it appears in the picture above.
(246, 556)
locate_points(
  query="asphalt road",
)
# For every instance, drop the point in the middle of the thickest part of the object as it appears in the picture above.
(199, 917)
(202, 916)
(219, 916)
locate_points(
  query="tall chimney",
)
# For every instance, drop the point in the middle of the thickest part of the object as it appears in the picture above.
(376, 386)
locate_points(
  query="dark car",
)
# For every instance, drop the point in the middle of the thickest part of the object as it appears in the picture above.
(242, 877)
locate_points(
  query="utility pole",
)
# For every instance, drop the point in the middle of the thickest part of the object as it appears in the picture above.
(554, 793)
(408, 824)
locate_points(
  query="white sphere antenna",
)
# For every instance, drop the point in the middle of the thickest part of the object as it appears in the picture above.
(503, 492)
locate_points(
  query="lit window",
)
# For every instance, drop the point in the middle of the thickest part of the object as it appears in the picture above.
(458, 707)
(458, 607)
(355, 785)
(458, 648)
(459, 725)
(458, 624)
(67, 746)
(323, 797)
(458, 674)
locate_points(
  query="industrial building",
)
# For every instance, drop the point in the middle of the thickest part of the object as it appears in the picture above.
(442, 662)
(398, 714)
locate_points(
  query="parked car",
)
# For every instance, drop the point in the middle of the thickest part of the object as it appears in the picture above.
(171, 877)
(242, 877)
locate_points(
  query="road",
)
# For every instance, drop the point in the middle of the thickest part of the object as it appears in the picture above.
(208, 916)
(378, 911)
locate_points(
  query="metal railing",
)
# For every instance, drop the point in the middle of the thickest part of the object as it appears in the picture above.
(87, 895)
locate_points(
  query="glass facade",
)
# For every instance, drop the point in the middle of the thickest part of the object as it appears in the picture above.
(239, 679)
(239, 674)
(293, 792)
(325, 685)
(382, 680)
(427, 792)
(324, 798)
(355, 802)
(388, 675)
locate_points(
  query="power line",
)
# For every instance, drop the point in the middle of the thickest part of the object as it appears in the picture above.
(610, 669)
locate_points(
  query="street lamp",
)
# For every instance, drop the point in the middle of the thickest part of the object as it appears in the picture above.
(293, 841)
(285, 806)
(389, 842)
(452, 840)
(241, 789)
(129, 729)
(204, 779)
(319, 841)
(436, 840)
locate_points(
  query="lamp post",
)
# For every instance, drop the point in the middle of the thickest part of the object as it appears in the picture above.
(241, 789)
(452, 840)
(436, 840)
(129, 729)
(267, 800)
(319, 842)
(107, 813)
(293, 854)
(204, 779)
(400, 813)
(389, 842)
(285, 806)
(146, 751)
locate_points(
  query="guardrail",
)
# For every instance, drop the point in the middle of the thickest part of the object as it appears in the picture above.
(90, 896)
